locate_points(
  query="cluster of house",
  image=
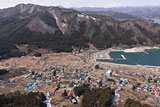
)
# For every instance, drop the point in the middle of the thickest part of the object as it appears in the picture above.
(48, 76)
(9, 81)
(123, 81)
(80, 76)
(157, 91)
(149, 76)
(145, 88)
(31, 86)
(150, 88)
(81, 72)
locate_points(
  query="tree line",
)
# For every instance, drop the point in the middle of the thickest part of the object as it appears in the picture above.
(17, 99)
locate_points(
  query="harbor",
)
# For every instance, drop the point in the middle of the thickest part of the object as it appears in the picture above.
(146, 58)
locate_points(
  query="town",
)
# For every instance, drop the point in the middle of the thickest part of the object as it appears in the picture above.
(58, 81)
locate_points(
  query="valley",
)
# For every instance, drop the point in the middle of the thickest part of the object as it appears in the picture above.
(49, 55)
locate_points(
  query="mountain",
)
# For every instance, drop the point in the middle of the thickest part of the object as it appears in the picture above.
(21, 11)
(141, 11)
(28, 27)
(144, 11)
(82, 9)
(115, 15)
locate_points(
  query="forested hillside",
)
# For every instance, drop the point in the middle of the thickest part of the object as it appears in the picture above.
(17, 99)
(58, 29)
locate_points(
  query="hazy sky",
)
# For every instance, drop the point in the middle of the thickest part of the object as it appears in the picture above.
(81, 3)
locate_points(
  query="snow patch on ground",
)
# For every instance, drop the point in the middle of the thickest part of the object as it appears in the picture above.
(87, 17)
(54, 15)
(21, 8)
(93, 18)
(31, 10)
(80, 15)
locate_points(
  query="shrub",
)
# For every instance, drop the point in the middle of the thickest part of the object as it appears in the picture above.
(96, 66)
(134, 103)
(3, 71)
(17, 99)
(95, 97)
(38, 54)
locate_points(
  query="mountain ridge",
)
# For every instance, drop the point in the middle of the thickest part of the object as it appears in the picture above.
(115, 15)
(141, 11)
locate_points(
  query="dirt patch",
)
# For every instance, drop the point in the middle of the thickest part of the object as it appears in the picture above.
(11, 85)
(5, 90)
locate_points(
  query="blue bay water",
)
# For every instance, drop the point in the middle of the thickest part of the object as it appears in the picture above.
(149, 57)
(157, 21)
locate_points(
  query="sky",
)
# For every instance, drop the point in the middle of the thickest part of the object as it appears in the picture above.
(81, 3)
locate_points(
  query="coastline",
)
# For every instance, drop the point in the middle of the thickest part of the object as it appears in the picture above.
(111, 63)
(104, 54)
(135, 49)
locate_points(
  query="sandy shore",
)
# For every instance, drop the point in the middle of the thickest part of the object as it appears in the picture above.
(135, 49)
